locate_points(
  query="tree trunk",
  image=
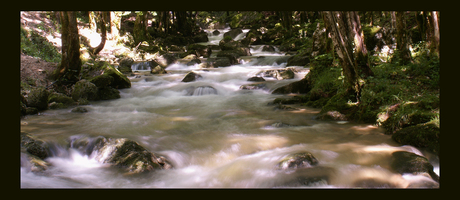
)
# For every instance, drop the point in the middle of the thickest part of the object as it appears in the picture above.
(102, 25)
(347, 36)
(360, 53)
(338, 28)
(402, 44)
(140, 30)
(436, 34)
(69, 69)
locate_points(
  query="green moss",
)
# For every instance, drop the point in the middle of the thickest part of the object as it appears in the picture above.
(120, 81)
(84, 89)
(60, 98)
(102, 80)
(420, 135)
(38, 98)
(33, 44)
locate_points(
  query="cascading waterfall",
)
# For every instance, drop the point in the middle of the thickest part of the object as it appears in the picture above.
(215, 135)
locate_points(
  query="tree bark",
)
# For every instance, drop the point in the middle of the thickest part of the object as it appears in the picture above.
(436, 33)
(347, 36)
(103, 27)
(402, 44)
(69, 69)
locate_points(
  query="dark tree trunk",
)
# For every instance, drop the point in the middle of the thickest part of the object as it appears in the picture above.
(361, 56)
(346, 34)
(436, 33)
(69, 69)
(402, 44)
(103, 27)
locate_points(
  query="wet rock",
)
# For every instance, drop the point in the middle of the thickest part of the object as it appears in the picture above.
(268, 48)
(125, 65)
(191, 76)
(34, 146)
(79, 110)
(218, 62)
(233, 33)
(158, 70)
(129, 155)
(316, 176)
(280, 125)
(256, 79)
(38, 98)
(193, 62)
(166, 59)
(216, 32)
(408, 162)
(279, 74)
(199, 50)
(256, 86)
(298, 160)
(332, 115)
(33, 163)
(298, 87)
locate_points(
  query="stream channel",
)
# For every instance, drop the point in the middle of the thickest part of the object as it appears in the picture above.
(224, 137)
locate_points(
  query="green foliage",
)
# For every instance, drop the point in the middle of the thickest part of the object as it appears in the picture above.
(33, 44)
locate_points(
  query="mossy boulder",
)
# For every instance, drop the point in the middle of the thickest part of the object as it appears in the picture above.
(120, 80)
(298, 87)
(233, 33)
(298, 160)
(34, 146)
(219, 62)
(38, 98)
(201, 37)
(199, 50)
(125, 65)
(84, 89)
(253, 37)
(60, 98)
(107, 93)
(421, 135)
(301, 59)
(102, 80)
(408, 162)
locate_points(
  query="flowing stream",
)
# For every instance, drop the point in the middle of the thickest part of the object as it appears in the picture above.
(214, 134)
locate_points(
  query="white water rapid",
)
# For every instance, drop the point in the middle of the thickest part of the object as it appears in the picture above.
(215, 135)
